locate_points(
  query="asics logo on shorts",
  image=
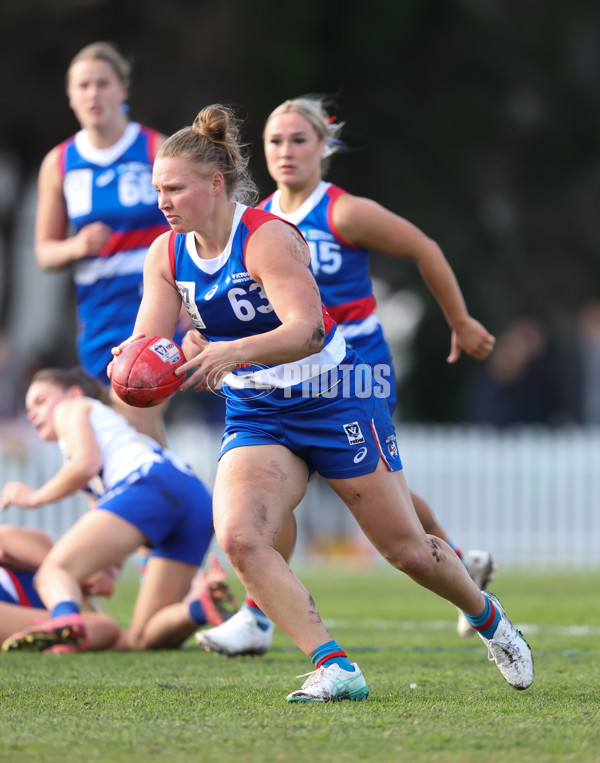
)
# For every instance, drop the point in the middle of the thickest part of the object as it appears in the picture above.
(360, 455)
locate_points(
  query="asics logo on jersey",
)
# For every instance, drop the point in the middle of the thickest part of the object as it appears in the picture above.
(105, 178)
(360, 455)
(211, 292)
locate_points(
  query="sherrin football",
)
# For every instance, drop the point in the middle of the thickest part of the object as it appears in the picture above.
(143, 374)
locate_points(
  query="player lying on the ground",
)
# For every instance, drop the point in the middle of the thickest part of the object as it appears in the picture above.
(22, 550)
(145, 496)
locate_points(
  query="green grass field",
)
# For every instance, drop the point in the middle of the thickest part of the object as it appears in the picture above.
(434, 696)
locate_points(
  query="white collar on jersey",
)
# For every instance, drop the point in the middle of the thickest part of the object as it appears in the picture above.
(215, 263)
(307, 205)
(106, 156)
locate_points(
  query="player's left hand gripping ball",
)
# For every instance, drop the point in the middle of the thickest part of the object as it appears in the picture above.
(143, 374)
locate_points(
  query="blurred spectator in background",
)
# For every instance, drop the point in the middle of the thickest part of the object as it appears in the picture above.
(519, 383)
(582, 366)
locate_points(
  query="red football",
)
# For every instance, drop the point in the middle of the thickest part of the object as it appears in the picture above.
(143, 374)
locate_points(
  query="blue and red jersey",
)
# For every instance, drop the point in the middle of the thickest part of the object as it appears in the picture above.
(113, 186)
(342, 272)
(225, 303)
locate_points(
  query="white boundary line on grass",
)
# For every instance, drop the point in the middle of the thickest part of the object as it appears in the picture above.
(407, 626)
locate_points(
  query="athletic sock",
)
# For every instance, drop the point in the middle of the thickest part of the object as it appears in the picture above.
(328, 653)
(196, 612)
(262, 620)
(143, 562)
(65, 607)
(487, 622)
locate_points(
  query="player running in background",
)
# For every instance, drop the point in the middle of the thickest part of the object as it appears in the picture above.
(299, 139)
(145, 496)
(22, 550)
(99, 183)
(292, 408)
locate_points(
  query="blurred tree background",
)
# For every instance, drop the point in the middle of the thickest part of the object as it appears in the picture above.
(478, 120)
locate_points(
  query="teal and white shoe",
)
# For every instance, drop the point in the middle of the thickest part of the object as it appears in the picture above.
(331, 684)
(509, 650)
(480, 566)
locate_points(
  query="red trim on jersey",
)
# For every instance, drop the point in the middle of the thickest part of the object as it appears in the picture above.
(152, 141)
(23, 598)
(327, 320)
(172, 253)
(254, 218)
(122, 241)
(334, 192)
(62, 159)
(357, 310)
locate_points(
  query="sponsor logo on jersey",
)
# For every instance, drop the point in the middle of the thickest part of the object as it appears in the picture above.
(241, 277)
(124, 167)
(360, 455)
(353, 433)
(211, 292)
(187, 290)
(314, 234)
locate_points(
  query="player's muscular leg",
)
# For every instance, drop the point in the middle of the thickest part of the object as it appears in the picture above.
(255, 489)
(381, 504)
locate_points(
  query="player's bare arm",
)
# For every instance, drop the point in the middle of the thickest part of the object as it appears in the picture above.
(366, 223)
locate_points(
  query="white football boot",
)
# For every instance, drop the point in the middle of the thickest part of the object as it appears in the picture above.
(509, 650)
(240, 635)
(331, 684)
(480, 567)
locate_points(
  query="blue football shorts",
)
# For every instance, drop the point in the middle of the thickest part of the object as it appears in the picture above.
(341, 436)
(171, 507)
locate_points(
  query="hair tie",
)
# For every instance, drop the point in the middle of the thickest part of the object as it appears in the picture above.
(333, 145)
